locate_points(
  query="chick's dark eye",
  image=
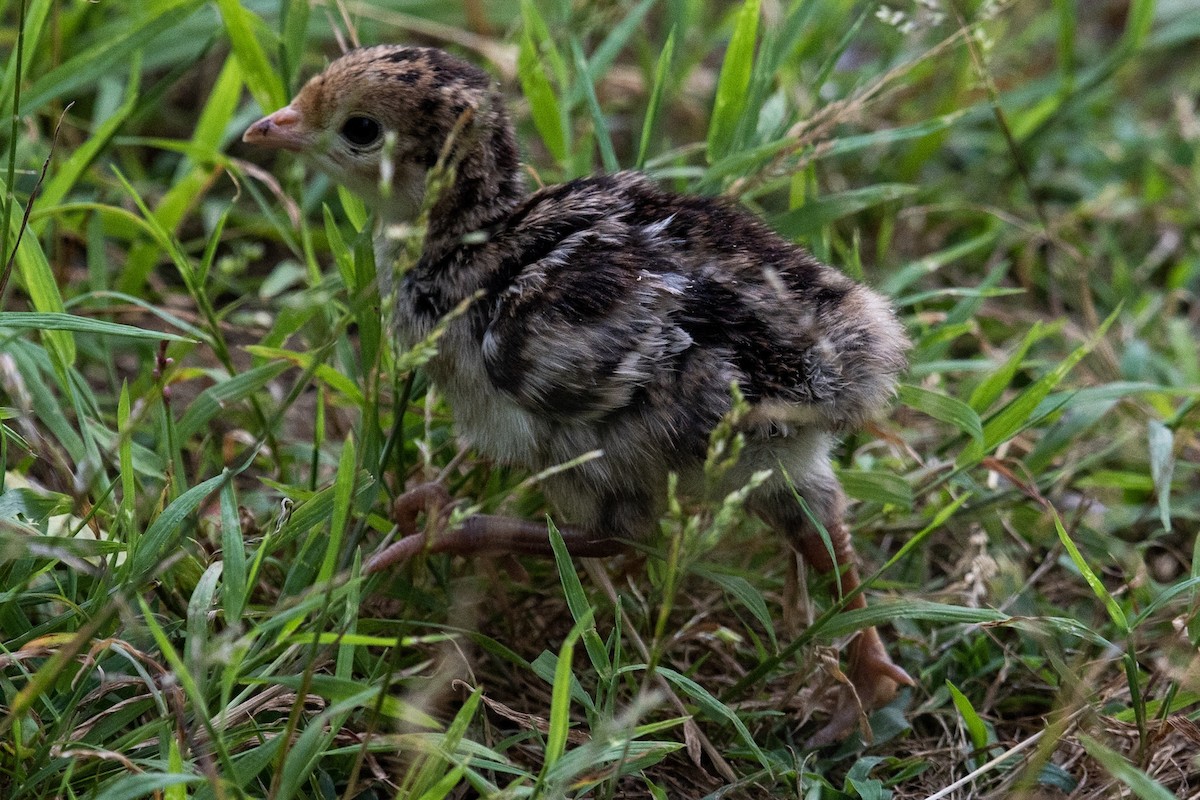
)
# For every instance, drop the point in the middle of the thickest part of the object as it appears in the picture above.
(361, 131)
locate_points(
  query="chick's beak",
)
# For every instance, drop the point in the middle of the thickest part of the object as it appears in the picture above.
(284, 129)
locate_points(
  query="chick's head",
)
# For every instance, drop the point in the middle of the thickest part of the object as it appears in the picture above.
(377, 119)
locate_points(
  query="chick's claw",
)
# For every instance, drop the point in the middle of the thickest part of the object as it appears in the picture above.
(873, 682)
(430, 498)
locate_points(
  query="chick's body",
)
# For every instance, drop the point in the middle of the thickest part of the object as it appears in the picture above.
(606, 314)
(615, 316)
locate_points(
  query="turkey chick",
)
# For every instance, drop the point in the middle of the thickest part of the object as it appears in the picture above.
(607, 314)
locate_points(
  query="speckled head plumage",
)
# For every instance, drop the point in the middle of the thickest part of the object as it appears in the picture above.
(342, 119)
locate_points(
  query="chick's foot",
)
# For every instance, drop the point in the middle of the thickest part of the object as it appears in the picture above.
(873, 681)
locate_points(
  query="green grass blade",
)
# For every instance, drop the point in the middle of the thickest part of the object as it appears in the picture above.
(877, 486)
(654, 103)
(815, 214)
(549, 117)
(233, 557)
(1141, 784)
(168, 527)
(110, 53)
(733, 82)
(50, 321)
(262, 79)
(976, 729)
(943, 407)
(343, 496)
(1162, 468)
(608, 155)
(1093, 581)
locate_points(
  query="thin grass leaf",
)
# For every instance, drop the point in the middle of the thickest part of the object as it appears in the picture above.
(577, 602)
(654, 103)
(904, 277)
(312, 743)
(815, 214)
(168, 528)
(943, 407)
(217, 398)
(51, 321)
(717, 710)
(1138, 781)
(261, 78)
(560, 700)
(990, 389)
(1026, 408)
(42, 288)
(109, 53)
(745, 593)
(884, 611)
(71, 169)
(343, 495)
(144, 784)
(976, 728)
(196, 643)
(549, 117)
(876, 486)
(603, 56)
(1162, 468)
(125, 460)
(608, 155)
(233, 557)
(1097, 586)
(322, 372)
(733, 82)
(342, 690)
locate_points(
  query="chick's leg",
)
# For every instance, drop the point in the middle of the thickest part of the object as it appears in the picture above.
(480, 534)
(873, 676)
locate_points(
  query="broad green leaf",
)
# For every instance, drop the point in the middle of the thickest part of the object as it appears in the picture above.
(877, 486)
(944, 408)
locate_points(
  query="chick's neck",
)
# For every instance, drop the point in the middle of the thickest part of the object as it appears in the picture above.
(486, 186)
